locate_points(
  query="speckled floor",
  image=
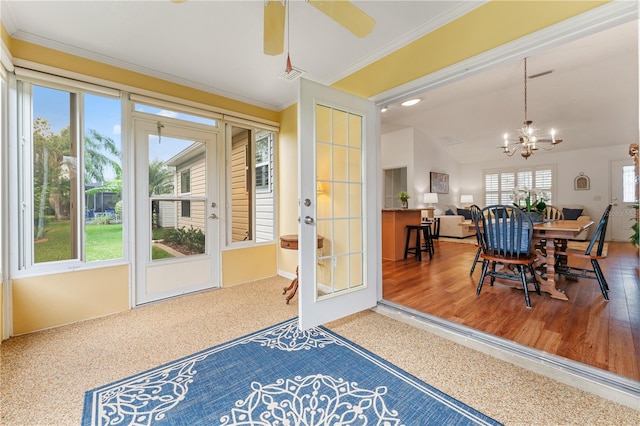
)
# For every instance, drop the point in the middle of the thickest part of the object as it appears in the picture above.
(44, 375)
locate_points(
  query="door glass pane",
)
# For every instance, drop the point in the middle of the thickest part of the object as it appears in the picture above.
(628, 184)
(339, 200)
(177, 190)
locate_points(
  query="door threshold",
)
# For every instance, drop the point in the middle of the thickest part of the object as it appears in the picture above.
(605, 384)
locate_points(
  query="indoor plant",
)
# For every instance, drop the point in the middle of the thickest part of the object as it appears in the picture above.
(404, 198)
(533, 202)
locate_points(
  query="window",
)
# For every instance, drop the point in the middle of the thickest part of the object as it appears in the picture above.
(263, 160)
(500, 184)
(71, 176)
(250, 194)
(185, 181)
(185, 209)
(628, 184)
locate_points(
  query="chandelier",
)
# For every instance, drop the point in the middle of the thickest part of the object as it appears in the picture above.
(527, 141)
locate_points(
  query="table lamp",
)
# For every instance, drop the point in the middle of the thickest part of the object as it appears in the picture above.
(430, 198)
(466, 200)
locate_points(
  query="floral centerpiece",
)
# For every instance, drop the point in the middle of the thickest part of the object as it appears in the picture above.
(404, 198)
(533, 202)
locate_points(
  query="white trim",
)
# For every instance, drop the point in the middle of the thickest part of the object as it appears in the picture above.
(174, 106)
(5, 57)
(68, 84)
(274, 127)
(598, 19)
(139, 92)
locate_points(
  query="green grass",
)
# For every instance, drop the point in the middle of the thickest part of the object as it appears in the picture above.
(56, 242)
(102, 242)
(158, 253)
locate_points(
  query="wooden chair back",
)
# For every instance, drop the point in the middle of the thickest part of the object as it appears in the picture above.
(507, 232)
(600, 233)
(553, 213)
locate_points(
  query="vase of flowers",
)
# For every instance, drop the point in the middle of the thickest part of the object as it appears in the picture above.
(404, 199)
(532, 202)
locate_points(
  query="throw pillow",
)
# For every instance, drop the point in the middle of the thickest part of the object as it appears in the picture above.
(571, 214)
(449, 212)
(465, 213)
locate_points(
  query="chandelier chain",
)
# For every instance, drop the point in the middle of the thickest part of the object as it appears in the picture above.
(525, 90)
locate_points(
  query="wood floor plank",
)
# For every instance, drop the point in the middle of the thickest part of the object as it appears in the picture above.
(585, 328)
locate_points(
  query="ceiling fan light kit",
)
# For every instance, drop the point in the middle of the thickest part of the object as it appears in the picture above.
(528, 142)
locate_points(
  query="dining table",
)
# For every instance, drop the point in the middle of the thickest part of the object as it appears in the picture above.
(550, 231)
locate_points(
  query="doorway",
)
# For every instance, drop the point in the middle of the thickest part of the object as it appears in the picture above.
(177, 233)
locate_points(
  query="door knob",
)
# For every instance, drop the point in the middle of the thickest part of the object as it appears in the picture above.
(309, 220)
(213, 216)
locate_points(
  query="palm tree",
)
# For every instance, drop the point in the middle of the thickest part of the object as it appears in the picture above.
(160, 178)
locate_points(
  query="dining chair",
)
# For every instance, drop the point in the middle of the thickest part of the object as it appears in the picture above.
(551, 213)
(475, 215)
(564, 257)
(507, 239)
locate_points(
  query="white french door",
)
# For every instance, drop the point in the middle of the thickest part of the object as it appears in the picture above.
(177, 243)
(337, 165)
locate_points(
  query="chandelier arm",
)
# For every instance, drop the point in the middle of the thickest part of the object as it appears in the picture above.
(508, 152)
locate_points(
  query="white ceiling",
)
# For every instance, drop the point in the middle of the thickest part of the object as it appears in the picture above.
(591, 98)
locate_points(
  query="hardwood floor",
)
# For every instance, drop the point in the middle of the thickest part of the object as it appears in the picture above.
(587, 329)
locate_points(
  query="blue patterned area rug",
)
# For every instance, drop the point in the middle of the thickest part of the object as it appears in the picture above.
(277, 376)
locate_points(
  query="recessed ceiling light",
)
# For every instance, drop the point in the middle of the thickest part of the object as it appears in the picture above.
(383, 109)
(411, 102)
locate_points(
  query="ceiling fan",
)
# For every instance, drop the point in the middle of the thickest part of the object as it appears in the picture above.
(342, 11)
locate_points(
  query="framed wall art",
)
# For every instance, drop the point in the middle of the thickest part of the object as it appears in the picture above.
(439, 182)
(581, 182)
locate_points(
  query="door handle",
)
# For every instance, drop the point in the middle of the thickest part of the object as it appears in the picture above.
(213, 216)
(309, 220)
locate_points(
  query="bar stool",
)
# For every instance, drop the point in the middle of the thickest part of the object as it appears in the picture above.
(418, 248)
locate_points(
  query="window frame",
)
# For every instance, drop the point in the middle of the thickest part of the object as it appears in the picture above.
(185, 182)
(22, 169)
(255, 133)
(267, 163)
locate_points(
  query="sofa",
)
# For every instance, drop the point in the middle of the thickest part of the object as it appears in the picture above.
(576, 212)
(450, 226)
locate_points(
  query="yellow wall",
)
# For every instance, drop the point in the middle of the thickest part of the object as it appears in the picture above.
(288, 185)
(248, 264)
(53, 300)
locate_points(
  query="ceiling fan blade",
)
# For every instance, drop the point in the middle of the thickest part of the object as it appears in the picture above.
(274, 13)
(347, 15)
